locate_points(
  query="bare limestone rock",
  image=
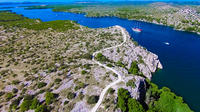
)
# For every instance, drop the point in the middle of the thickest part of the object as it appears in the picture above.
(129, 52)
(138, 92)
(80, 107)
(147, 63)
(140, 88)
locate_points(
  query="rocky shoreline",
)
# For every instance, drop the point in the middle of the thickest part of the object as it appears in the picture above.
(127, 53)
(148, 63)
(130, 52)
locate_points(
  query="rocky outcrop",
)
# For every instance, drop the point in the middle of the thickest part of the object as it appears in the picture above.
(129, 52)
(140, 88)
(147, 63)
(138, 92)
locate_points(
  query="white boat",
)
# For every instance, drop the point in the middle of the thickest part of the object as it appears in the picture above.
(167, 43)
(137, 30)
(43, 5)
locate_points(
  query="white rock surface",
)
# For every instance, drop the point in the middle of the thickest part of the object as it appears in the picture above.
(129, 52)
(9, 88)
(80, 107)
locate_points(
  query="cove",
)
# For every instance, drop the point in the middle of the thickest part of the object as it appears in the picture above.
(180, 59)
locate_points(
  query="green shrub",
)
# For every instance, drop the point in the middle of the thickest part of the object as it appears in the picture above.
(9, 96)
(15, 90)
(41, 84)
(15, 82)
(87, 66)
(92, 99)
(100, 57)
(79, 86)
(1, 93)
(134, 68)
(155, 93)
(28, 97)
(119, 63)
(123, 96)
(111, 90)
(109, 65)
(118, 50)
(27, 102)
(87, 56)
(131, 83)
(42, 91)
(23, 91)
(126, 103)
(41, 108)
(25, 105)
(134, 106)
(83, 72)
(140, 59)
(35, 103)
(81, 96)
(66, 102)
(15, 103)
(49, 98)
(57, 80)
(71, 95)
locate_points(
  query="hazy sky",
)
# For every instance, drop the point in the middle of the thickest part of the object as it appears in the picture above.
(83, 0)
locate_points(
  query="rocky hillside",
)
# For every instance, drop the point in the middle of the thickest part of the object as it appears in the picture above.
(50, 67)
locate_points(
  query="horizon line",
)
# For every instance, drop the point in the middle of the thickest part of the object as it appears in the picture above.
(100, 1)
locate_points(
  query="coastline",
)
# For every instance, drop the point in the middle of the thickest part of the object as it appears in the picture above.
(140, 46)
(131, 19)
(150, 64)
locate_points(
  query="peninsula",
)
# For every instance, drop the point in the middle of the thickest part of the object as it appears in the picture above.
(63, 66)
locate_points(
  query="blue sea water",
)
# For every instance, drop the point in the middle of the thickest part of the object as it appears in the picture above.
(181, 58)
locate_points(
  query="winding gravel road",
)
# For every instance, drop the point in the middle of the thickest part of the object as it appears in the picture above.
(94, 109)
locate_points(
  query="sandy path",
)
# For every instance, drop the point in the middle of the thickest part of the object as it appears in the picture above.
(94, 109)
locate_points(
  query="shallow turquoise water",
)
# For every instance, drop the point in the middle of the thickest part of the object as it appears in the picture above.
(180, 58)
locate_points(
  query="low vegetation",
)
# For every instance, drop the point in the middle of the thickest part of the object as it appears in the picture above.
(92, 99)
(170, 14)
(134, 68)
(162, 100)
(111, 90)
(10, 20)
(41, 84)
(49, 98)
(39, 58)
(71, 95)
(131, 83)
(57, 8)
(100, 57)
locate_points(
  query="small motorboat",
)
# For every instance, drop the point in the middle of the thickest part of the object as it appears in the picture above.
(43, 5)
(137, 30)
(167, 43)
